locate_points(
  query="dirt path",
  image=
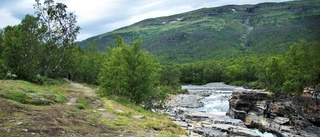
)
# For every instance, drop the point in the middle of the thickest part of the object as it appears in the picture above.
(90, 93)
(86, 91)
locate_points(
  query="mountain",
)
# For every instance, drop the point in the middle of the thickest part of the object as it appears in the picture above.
(223, 32)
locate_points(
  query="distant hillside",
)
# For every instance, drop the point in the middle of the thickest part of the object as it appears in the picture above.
(223, 32)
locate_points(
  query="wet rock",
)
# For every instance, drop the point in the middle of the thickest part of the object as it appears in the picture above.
(184, 100)
(235, 130)
(277, 109)
(210, 132)
(284, 115)
(197, 116)
(237, 114)
(282, 120)
(229, 121)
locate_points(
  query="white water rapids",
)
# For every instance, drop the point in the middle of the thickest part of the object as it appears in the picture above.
(217, 99)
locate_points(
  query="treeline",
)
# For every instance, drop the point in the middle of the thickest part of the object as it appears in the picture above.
(40, 45)
(289, 72)
(42, 48)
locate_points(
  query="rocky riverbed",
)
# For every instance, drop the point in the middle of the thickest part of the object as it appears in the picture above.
(220, 110)
(278, 113)
(202, 112)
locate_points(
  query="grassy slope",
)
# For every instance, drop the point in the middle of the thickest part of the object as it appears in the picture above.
(20, 116)
(214, 33)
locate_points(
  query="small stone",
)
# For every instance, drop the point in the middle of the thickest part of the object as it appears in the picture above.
(19, 123)
(180, 123)
(281, 120)
(33, 133)
(7, 129)
(101, 109)
(118, 111)
(24, 130)
(138, 117)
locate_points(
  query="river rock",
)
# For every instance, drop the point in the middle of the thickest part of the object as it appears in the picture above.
(235, 130)
(185, 100)
(284, 115)
(282, 120)
(184, 110)
(181, 124)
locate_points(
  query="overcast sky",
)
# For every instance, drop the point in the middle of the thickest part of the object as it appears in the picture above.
(99, 16)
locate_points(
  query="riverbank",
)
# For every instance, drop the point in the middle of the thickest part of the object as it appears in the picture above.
(202, 112)
(278, 113)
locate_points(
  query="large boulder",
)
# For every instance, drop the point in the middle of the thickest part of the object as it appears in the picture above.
(283, 115)
(243, 101)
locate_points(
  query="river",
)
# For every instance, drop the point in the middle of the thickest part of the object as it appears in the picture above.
(216, 99)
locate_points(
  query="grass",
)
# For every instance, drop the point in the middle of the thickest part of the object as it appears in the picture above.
(29, 93)
(23, 114)
(82, 103)
(150, 121)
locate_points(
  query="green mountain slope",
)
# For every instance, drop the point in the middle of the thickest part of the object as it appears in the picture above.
(223, 32)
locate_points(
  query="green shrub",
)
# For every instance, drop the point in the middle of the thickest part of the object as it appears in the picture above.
(82, 103)
(291, 86)
(238, 83)
(3, 69)
(41, 80)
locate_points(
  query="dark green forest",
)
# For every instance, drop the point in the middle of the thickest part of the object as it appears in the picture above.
(225, 32)
(138, 71)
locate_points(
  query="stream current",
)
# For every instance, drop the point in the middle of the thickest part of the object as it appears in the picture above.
(216, 100)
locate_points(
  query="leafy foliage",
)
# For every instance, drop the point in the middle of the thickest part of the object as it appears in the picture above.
(60, 31)
(39, 46)
(21, 49)
(129, 72)
(170, 76)
(303, 66)
(291, 72)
